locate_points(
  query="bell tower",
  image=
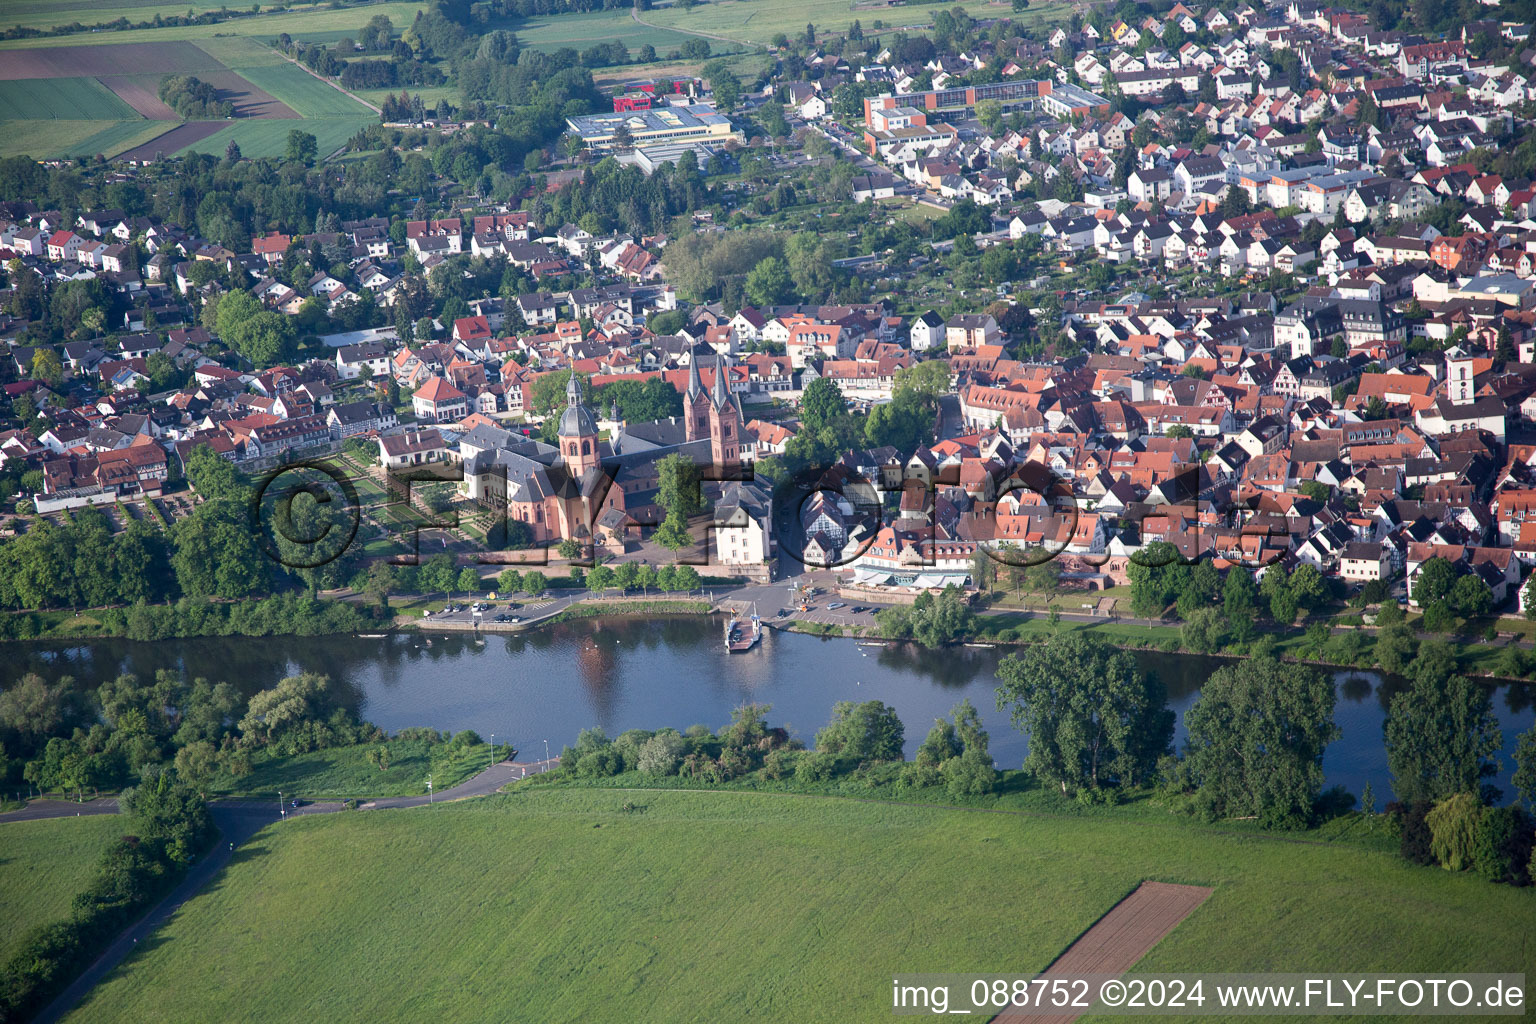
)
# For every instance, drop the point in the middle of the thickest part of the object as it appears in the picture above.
(724, 421)
(578, 432)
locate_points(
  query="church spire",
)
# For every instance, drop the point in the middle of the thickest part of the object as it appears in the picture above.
(694, 385)
(719, 393)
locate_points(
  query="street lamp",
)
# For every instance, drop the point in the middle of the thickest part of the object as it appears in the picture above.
(546, 753)
(429, 789)
(493, 751)
(281, 813)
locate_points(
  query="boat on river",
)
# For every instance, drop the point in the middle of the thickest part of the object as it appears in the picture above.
(739, 637)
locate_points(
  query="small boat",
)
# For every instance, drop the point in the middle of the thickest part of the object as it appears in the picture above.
(372, 636)
(869, 643)
(984, 646)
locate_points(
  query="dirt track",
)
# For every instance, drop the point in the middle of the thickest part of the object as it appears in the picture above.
(1119, 939)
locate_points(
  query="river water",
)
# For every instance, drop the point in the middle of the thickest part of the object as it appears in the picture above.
(628, 673)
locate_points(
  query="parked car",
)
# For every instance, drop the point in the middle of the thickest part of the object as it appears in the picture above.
(835, 604)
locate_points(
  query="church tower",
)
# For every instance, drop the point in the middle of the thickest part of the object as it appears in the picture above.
(695, 403)
(578, 433)
(724, 421)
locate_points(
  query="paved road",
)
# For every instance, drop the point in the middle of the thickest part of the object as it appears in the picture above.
(237, 821)
(36, 809)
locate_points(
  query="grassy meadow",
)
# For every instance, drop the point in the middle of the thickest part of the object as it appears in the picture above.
(757, 21)
(42, 865)
(726, 905)
(341, 773)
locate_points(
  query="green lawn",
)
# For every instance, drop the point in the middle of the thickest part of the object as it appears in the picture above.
(270, 137)
(302, 91)
(345, 772)
(69, 99)
(42, 865)
(74, 138)
(732, 906)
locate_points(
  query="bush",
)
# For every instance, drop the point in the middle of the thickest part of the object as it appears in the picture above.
(818, 767)
(1501, 849)
(661, 754)
(919, 774)
(970, 774)
(599, 764)
(1413, 830)
(780, 764)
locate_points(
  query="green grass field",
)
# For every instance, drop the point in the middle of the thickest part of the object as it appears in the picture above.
(305, 22)
(70, 99)
(580, 31)
(45, 14)
(732, 906)
(270, 138)
(757, 21)
(75, 138)
(305, 93)
(42, 865)
(345, 772)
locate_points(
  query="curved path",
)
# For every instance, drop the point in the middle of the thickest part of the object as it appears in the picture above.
(237, 821)
(634, 13)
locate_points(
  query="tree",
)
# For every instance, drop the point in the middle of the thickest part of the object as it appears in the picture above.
(1256, 741)
(510, 581)
(46, 367)
(196, 763)
(822, 405)
(1453, 826)
(990, 114)
(534, 583)
(769, 283)
(1435, 579)
(1093, 719)
(1157, 574)
(302, 147)
(1525, 767)
(1441, 736)
(870, 731)
(469, 580)
(724, 84)
(673, 533)
(1470, 597)
(678, 485)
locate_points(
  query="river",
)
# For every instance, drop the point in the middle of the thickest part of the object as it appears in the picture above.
(628, 673)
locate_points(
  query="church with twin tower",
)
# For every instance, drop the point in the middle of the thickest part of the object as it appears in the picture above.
(589, 490)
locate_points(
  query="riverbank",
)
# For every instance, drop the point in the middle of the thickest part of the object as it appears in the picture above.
(1015, 629)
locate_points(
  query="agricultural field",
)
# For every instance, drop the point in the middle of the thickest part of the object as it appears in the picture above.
(42, 865)
(270, 138)
(55, 112)
(607, 905)
(756, 22)
(75, 138)
(320, 23)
